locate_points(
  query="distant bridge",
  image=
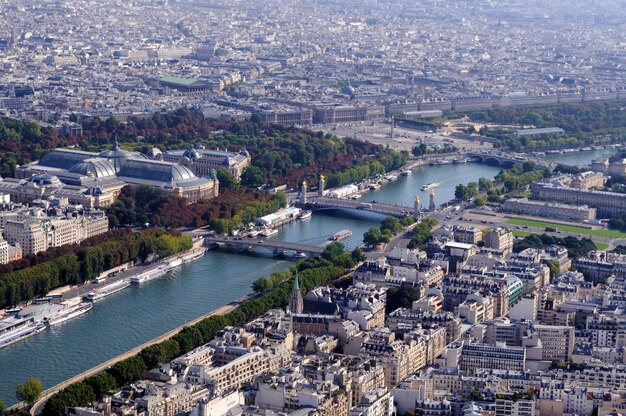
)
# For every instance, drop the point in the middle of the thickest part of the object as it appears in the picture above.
(321, 202)
(504, 159)
(276, 247)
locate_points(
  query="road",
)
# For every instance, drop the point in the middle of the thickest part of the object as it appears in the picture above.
(36, 409)
(403, 139)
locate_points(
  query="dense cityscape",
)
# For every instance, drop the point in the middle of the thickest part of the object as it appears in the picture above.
(371, 208)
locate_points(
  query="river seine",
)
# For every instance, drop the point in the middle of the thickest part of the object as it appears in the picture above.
(140, 313)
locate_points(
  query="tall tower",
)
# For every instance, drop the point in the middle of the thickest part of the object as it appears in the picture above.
(320, 186)
(296, 304)
(432, 206)
(303, 193)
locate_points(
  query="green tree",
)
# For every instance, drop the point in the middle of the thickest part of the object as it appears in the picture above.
(227, 179)
(166, 245)
(128, 370)
(391, 224)
(373, 236)
(480, 200)
(460, 192)
(101, 384)
(484, 184)
(402, 297)
(77, 394)
(29, 392)
(2, 407)
(332, 250)
(252, 176)
(358, 255)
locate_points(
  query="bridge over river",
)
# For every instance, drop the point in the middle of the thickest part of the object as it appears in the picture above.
(276, 247)
(321, 202)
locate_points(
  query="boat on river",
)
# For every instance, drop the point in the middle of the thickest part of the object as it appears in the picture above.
(107, 290)
(429, 186)
(340, 235)
(68, 313)
(268, 232)
(15, 329)
(150, 274)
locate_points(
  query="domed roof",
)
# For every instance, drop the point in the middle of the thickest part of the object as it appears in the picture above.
(154, 152)
(114, 152)
(156, 171)
(191, 153)
(118, 156)
(181, 173)
(45, 179)
(95, 168)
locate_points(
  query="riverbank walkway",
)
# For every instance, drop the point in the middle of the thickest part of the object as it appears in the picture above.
(38, 407)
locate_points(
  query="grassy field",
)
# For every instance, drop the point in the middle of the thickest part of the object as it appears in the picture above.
(568, 228)
(601, 246)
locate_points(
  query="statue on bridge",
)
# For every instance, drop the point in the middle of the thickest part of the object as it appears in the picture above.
(432, 206)
(303, 193)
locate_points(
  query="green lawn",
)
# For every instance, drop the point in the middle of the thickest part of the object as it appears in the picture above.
(520, 233)
(568, 228)
(601, 246)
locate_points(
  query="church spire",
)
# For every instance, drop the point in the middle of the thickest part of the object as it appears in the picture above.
(296, 303)
(296, 283)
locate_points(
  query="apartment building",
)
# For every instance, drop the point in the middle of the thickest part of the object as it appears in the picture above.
(500, 238)
(482, 356)
(170, 400)
(557, 341)
(468, 235)
(376, 403)
(398, 358)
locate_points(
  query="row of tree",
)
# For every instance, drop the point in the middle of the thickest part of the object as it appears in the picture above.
(53, 252)
(576, 247)
(87, 263)
(521, 175)
(618, 222)
(573, 118)
(314, 273)
(388, 161)
(424, 149)
(423, 233)
(229, 209)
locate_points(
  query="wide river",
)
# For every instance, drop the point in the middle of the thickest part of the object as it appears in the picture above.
(140, 313)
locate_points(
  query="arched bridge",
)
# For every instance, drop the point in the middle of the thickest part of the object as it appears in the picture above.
(276, 247)
(504, 159)
(322, 202)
